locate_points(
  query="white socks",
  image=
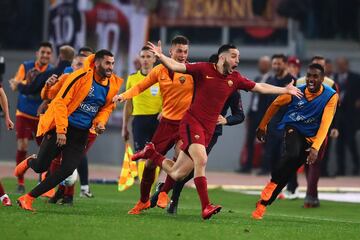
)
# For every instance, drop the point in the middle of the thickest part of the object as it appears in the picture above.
(84, 188)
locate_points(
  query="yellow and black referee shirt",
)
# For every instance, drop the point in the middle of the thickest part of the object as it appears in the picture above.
(148, 102)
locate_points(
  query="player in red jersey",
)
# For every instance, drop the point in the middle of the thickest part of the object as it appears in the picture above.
(214, 84)
(4, 198)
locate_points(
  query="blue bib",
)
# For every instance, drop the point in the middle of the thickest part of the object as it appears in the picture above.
(306, 115)
(68, 69)
(30, 103)
(83, 116)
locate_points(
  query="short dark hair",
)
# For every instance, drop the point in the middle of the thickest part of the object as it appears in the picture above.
(317, 66)
(145, 48)
(85, 49)
(279, 55)
(317, 57)
(101, 53)
(81, 55)
(46, 44)
(180, 39)
(213, 58)
(226, 48)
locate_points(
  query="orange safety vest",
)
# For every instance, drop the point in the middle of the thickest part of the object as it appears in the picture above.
(72, 93)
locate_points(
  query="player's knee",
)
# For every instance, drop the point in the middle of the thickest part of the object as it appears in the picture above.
(201, 161)
(177, 176)
(22, 144)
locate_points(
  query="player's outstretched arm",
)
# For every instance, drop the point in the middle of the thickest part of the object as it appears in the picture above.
(168, 62)
(5, 107)
(265, 88)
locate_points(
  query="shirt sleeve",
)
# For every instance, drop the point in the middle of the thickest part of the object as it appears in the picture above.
(128, 83)
(327, 117)
(280, 101)
(237, 114)
(51, 92)
(195, 69)
(20, 74)
(144, 84)
(245, 83)
(36, 85)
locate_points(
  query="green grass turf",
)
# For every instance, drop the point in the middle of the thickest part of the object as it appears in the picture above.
(105, 217)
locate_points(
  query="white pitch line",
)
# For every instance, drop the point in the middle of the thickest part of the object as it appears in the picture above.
(314, 218)
(261, 187)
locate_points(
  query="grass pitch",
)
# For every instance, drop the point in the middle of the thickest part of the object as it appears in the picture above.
(105, 217)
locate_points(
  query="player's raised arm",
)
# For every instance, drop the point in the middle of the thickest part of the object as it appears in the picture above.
(168, 62)
(270, 89)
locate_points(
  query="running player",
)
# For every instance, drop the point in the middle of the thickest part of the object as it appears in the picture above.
(214, 84)
(4, 198)
(313, 171)
(237, 116)
(65, 193)
(306, 123)
(177, 91)
(26, 114)
(84, 101)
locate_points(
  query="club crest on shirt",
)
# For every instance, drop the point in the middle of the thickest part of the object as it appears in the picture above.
(196, 136)
(230, 83)
(182, 79)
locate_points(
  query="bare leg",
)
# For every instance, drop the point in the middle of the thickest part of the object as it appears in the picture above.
(179, 169)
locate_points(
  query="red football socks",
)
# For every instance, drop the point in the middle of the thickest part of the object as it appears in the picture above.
(201, 187)
(168, 185)
(69, 190)
(157, 159)
(146, 183)
(20, 156)
(2, 191)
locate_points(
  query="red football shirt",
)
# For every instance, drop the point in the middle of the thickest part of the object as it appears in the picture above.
(211, 89)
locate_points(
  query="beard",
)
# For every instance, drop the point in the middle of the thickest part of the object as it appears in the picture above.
(102, 72)
(227, 68)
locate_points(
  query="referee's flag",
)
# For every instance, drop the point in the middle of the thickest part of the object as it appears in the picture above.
(128, 170)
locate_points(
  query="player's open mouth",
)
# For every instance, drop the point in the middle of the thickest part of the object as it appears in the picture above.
(311, 85)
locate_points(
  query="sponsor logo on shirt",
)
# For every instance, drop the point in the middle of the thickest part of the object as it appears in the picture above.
(297, 117)
(209, 77)
(89, 108)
